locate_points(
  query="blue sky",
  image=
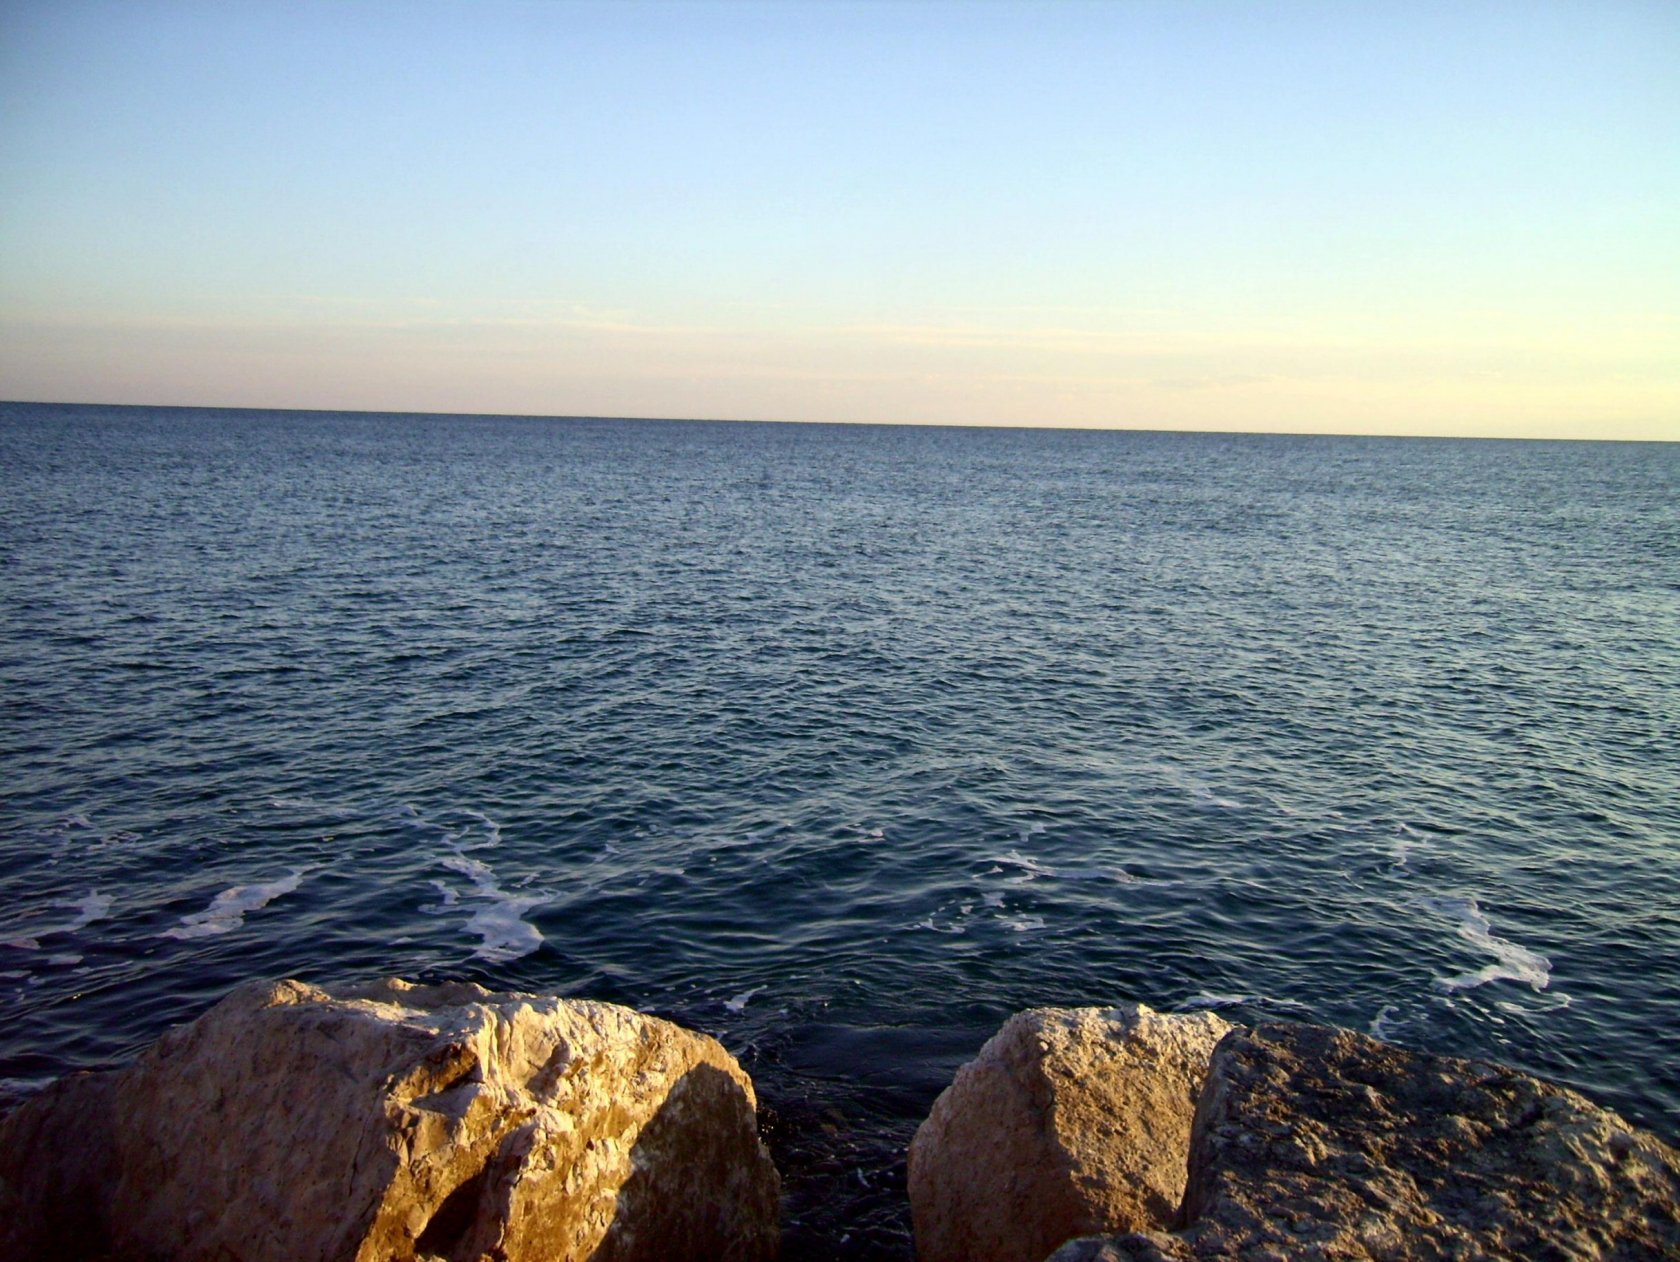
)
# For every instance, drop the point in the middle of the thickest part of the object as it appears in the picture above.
(1348, 217)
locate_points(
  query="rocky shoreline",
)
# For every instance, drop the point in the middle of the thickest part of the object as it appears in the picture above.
(395, 1121)
(1102, 1135)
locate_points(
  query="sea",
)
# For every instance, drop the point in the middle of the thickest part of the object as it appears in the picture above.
(842, 743)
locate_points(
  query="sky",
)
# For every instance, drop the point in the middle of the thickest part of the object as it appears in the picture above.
(1417, 218)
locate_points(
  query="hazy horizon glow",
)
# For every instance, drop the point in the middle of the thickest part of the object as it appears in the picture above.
(1424, 219)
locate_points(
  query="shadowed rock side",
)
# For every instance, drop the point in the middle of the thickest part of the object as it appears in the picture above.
(1069, 1122)
(397, 1122)
(1319, 1143)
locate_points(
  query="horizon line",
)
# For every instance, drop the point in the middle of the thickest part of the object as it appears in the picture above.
(751, 420)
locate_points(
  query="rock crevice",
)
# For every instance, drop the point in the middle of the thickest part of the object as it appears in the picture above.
(1069, 1121)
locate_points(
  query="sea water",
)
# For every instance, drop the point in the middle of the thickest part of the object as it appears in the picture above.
(843, 743)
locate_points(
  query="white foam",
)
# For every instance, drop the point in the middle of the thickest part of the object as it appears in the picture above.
(1213, 799)
(728, 842)
(1022, 924)
(449, 897)
(1028, 864)
(1033, 870)
(1555, 1001)
(492, 830)
(740, 1001)
(504, 933)
(928, 924)
(1207, 999)
(1176, 778)
(1382, 1025)
(478, 873)
(1408, 840)
(95, 906)
(994, 899)
(227, 910)
(1511, 961)
(1217, 999)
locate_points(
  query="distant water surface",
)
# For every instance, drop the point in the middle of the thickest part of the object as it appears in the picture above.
(843, 743)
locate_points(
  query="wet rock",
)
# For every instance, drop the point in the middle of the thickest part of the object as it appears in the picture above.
(397, 1122)
(1068, 1123)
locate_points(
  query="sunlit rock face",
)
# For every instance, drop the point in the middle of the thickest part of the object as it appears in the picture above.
(1069, 1122)
(396, 1122)
(1313, 1142)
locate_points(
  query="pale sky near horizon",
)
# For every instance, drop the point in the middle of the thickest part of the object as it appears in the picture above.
(1360, 217)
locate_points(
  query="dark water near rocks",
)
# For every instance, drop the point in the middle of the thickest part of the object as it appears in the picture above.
(843, 743)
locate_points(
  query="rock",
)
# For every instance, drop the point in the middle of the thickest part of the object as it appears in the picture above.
(1319, 1143)
(56, 1162)
(1132, 1247)
(1316, 1139)
(397, 1122)
(1068, 1123)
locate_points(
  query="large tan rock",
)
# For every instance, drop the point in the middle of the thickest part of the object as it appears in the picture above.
(1318, 1143)
(1069, 1122)
(397, 1122)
